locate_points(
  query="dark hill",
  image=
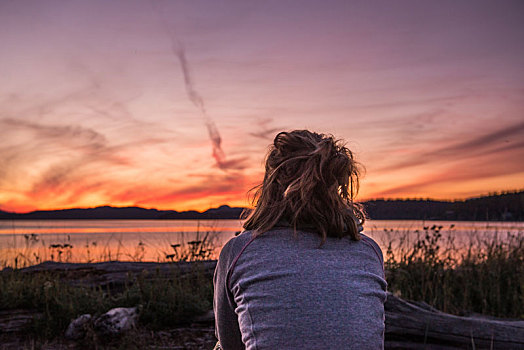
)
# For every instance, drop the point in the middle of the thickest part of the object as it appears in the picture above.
(508, 206)
(126, 213)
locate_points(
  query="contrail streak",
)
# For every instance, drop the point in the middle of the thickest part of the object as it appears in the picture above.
(198, 101)
(193, 95)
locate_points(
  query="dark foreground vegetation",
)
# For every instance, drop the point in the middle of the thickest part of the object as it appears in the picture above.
(486, 278)
(169, 298)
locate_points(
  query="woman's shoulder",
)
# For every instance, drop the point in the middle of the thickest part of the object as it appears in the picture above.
(373, 245)
(235, 245)
(368, 240)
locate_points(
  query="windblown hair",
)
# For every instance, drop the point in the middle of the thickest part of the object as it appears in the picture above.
(311, 180)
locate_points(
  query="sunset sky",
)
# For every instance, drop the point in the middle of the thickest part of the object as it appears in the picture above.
(95, 108)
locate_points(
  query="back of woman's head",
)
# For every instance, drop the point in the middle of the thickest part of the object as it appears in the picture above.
(310, 182)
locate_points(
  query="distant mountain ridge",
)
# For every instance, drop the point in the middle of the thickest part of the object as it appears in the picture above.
(124, 213)
(508, 206)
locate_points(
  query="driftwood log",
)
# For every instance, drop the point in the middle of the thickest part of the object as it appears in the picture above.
(409, 325)
(115, 274)
(16, 320)
(418, 326)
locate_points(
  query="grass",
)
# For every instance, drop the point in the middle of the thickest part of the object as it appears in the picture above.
(486, 277)
(35, 249)
(163, 303)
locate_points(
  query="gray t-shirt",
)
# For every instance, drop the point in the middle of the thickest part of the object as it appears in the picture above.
(281, 291)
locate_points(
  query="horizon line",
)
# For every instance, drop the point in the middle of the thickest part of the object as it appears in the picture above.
(489, 194)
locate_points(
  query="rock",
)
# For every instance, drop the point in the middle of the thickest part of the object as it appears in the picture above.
(78, 327)
(116, 321)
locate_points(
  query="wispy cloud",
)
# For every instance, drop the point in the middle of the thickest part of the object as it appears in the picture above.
(265, 130)
(443, 176)
(497, 141)
(510, 134)
(85, 141)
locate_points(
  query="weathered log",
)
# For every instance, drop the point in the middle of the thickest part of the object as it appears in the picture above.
(122, 266)
(410, 326)
(116, 274)
(17, 320)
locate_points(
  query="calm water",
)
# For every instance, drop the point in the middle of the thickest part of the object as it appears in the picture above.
(30, 242)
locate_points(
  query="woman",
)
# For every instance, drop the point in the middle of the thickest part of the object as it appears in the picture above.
(302, 275)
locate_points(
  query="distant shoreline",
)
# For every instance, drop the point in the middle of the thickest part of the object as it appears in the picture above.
(215, 219)
(500, 207)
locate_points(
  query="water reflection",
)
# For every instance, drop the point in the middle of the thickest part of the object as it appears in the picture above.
(25, 243)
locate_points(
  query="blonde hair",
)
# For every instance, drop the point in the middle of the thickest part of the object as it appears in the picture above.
(311, 180)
